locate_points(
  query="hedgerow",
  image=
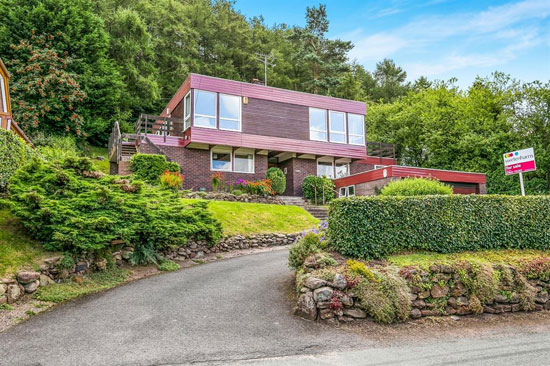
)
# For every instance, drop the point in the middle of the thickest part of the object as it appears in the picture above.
(71, 209)
(374, 227)
(149, 167)
(415, 187)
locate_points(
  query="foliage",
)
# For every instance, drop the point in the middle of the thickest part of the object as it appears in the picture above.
(237, 192)
(48, 97)
(14, 152)
(171, 180)
(93, 283)
(17, 250)
(70, 212)
(375, 227)
(243, 218)
(303, 248)
(415, 187)
(149, 167)
(360, 269)
(260, 187)
(55, 147)
(277, 178)
(312, 184)
(217, 179)
(168, 265)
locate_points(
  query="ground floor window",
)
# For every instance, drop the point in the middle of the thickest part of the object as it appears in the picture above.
(225, 160)
(325, 168)
(329, 168)
(348, 191)
(221, 160)
(244, 162)
(341, 170)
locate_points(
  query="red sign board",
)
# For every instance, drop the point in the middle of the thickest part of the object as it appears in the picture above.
(520, 161)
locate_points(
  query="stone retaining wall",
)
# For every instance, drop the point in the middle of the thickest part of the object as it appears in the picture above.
(12, 289)
(222, 196)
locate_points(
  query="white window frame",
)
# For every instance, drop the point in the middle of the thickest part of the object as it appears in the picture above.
(244, 153)
(325, 131)
(321, 160)
(221, 151)
(4, 94)
(215, 116)
(349, 172)
(220, 95)
(376, 166)
(346, 191)
(340, 133)
(362, 129)
(187, 113)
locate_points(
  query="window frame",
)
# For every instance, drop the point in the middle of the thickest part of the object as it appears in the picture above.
(195, 114)
(340, 133)
(319, 160)
(355, 135)
(348, 170)
(221, 151)
(186, 115)
(240, 119)
(346, 191)
(4, 94)
(235, 153)
(326, 132)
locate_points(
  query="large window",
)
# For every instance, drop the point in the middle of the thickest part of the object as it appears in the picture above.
(341, 170)
(221, 159)
(325, 168)
(205, 109)
(187, 111)
(356, 128)
(317, 124)
(3, 96)
(230, 112)
(244, 161)
(337, 127)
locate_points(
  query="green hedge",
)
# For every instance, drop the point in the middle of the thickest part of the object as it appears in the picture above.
(311, 182)
(14, 152)
(415, 187)
(149, 167)
(374, 227)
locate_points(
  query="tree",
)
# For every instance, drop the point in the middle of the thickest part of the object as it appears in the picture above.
(48, 97)
(390, 82)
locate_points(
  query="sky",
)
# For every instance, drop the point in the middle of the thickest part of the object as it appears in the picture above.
(439, 39)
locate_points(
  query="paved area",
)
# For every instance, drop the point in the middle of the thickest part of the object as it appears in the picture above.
(232, 312)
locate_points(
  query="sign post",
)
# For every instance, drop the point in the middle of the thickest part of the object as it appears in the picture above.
(520, 161)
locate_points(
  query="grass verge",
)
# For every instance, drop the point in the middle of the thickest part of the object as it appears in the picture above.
(93, 152)
(240, 218)
(93, 283)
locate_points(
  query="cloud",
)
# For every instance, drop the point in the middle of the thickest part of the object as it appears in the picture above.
(451, 40)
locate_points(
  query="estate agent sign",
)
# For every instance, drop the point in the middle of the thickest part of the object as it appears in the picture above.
(520, 161)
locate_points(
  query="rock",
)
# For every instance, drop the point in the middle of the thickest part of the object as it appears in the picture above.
(314, 283)
(450, 310)
(14, 293)
(516, 307)
(415, 314)
(25, 277)
(306, 306)
(126, 254)
(488, 309)
(547, 306)
(424, 294)
(345, 319)
(462, 310)
(323, 304)
(199, 254)
(542, 298)
(101, 264)
(81, 267)
(455, 318)
(438, 291)
(346, 300)
(428, 312)
(52, 260)
(419, 304)
(31, 287)
(462, 301)
(452, 302)
(3, 289)
(355, 313)
(413, 296)
(323, 294)
(326, 314)
(458, 289)
(501, 298)
(3, 299)
(340, 281)
(45, 280)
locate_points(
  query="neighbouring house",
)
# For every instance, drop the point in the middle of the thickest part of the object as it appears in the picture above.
(6, 120)
(242, 129)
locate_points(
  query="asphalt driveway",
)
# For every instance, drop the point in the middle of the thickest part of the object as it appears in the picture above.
(232, 311)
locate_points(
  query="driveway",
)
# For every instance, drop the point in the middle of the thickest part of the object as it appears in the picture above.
(234, 311)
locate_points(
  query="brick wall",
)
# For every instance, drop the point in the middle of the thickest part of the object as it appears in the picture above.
(369, 188)
(301, 168)
(357, 167)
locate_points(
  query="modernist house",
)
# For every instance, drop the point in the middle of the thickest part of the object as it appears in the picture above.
(242, 129)
(6, 120)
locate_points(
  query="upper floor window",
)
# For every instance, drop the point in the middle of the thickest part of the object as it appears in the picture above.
(205, 109)
(337, 127)
(356, 127)
(3, 96)
(317, 124)
(187, 111)
(230, 112)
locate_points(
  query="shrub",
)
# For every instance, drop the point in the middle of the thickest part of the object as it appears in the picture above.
(14, 152)
(311, 183)
(217, 179)
(70, 212)
(168, 265)
(149, 167)
(278, 180)
(374, 227)
(172, 180)
(260, 187)
(415, 187)
(237, 192)
(302, 249)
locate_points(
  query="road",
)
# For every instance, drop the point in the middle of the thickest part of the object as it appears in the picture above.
(235, 312)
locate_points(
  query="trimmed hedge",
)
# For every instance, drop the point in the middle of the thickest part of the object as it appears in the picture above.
(415, 187)
(149, 167)
(375, 227)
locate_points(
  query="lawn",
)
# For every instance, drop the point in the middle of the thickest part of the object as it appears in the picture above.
(240, 218)
(16, 249)
(504, 256)
(93, 152)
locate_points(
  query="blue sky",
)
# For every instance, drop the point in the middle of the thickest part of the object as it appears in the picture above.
(439, 39)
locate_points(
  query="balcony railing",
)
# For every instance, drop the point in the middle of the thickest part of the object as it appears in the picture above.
(158, 125)
(380, 149)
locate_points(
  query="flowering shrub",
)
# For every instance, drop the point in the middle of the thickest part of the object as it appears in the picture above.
(217, 178)
(260, 187)
(240, 184)
(172, 180)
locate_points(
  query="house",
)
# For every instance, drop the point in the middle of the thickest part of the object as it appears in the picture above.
(6, 120)
(242, 129)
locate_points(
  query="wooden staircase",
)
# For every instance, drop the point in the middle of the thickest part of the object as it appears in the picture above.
(320, 212)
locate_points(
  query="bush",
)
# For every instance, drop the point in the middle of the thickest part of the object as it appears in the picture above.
(278, 179)
(415, 187)
(73, 213)
(237, 192)
(14, 152)
(374, 227)
(303, 248)
(149, 167)
(312, 182)
(171, 180)
(168, 265)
